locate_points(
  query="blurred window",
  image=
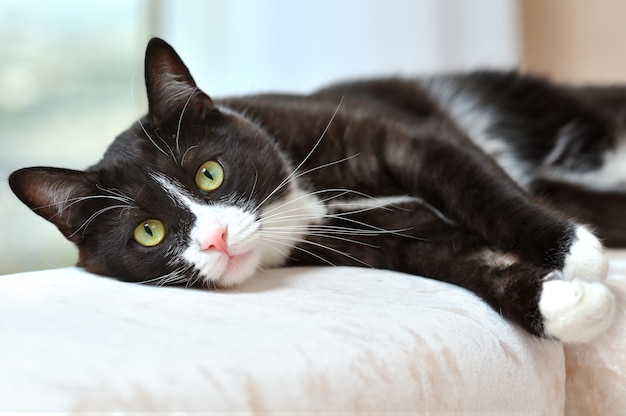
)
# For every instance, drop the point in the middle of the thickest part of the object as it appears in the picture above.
(70, 79)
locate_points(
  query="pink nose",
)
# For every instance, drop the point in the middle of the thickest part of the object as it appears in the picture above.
(215, 239)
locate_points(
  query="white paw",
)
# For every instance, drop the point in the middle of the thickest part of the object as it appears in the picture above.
(586, 257)
(576, 310)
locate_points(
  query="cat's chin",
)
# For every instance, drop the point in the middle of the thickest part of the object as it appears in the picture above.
(235, 270)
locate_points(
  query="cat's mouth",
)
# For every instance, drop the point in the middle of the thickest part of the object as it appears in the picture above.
(236, 268)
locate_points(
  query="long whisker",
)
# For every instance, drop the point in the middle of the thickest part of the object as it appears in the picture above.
(290, 177)
(164, 279)
(132, 98)
(180, 120)
(116, 193)
(182, 160)
(280, 213)
(197, 278)
(256, 178)
(332, 118)
(272, 233)
(336, 162)
(68, 203)
(365, 227)
(276, 239)
(173, 279)
(324, 229)
(339, 193)
(290, 246)
(96, 214)
(169, 148)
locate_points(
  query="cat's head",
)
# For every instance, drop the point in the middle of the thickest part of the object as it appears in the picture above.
(186, 195)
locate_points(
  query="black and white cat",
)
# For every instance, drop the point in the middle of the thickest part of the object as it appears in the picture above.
(470, 179)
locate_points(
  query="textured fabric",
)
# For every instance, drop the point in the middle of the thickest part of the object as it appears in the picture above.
(596, 372)
(335, 340)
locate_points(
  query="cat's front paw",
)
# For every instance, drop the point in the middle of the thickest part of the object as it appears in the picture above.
(585, 259)
(576, 310)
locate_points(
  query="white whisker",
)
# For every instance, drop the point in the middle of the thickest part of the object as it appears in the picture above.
(332, 229)
(310, 253)
(196, 280)
(276, 239)
(322, 235)
(148, 135)
(294, 172)
(95, 215)
(68, 203)
(340, 192)
(269, 213)
(165, 279)
(366, 228)
(116, 193)
(182, 160)
(256, 178)
(326, 165)
(169, 148)
(180, 120)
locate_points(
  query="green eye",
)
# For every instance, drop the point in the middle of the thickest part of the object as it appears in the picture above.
(149, 233)
(209, 176)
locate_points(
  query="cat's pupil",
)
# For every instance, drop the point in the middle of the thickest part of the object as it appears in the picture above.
(207, 173)
(148, 230)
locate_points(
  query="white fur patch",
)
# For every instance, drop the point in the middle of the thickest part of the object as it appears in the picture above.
(251, 243)
(496, 259)
(610, 176)
(242, 258)
(586, 257)
(576, 310)
(366, 204)
(285, 222)
(223, 269)
(475, 119)
(390, 202)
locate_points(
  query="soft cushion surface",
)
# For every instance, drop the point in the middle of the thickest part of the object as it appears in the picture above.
(309, 339)
(596, 372)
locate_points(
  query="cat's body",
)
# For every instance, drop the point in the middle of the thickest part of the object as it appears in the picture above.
(432, 177)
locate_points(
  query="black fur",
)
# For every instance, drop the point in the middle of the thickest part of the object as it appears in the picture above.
(393, 138)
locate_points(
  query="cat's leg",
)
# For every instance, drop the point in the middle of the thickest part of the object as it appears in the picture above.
(542, 302)
(602, 210)
(575, 310)
(467, 185)
(563, 259)
(539, 300)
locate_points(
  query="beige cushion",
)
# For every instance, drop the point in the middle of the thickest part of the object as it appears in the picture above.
(325, 339)
(596, 372)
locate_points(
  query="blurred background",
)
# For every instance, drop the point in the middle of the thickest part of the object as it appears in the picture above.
(71, 72)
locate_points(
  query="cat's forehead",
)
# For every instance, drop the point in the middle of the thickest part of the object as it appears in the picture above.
(175, 191)
(150, 161)
(221, 122)
(182, 139)
(175, 146)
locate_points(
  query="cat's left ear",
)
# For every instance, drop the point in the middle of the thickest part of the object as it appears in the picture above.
(58, 195)
(170, 86)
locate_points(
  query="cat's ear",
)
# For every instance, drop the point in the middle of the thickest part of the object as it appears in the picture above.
(58, 195)
(169, 84)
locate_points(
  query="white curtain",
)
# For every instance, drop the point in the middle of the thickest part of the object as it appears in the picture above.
(244, 46)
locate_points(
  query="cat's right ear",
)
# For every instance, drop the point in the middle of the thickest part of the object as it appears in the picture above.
(170, 86)
(58, 195)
